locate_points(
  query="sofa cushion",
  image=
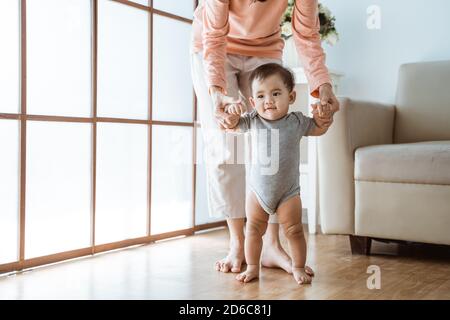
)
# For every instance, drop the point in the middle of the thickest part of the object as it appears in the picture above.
(423, 102)
(421, 162)
(403, 211)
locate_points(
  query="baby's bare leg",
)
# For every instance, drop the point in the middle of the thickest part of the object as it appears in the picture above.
(289, 216)
(256, 227)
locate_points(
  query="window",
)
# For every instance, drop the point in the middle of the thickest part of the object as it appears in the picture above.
(182, 8)
(121, 207)
(9, 190)
(123, 72)
(172, 84)
(171, 178)
(58, 187)
(105, 144)
(10, 57)
(59, 57)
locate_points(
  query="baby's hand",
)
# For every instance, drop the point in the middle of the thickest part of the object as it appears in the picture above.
(235, 108)
(327, 114)
(238, 107)
(326, 120)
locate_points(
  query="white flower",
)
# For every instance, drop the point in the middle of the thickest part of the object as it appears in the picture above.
(286, 29)
(325, 11)
(327, 31)
(332, 38)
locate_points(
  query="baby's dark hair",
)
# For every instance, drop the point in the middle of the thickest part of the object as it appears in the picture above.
(266, 70)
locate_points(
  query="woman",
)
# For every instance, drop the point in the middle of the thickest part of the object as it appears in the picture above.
(230, 38)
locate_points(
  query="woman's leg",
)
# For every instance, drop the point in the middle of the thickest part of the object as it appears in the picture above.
(225, 177)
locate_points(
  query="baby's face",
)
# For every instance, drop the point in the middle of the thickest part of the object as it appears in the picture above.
(271, 98)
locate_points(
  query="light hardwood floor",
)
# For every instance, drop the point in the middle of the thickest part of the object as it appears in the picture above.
(183, 269)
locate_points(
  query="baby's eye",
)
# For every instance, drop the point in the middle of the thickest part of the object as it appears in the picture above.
(277, 94)
(260, 96)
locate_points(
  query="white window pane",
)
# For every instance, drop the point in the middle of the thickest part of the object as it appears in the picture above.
(143, 2)
(122, 61)
(201, 200)
(172, 83)
(59, 57)
(58, 188)
(10, 57)
(122, 162)
(183, 8)
(171, 178)
(9, 190)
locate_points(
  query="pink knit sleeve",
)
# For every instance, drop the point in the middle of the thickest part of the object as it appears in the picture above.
(215, 30)
(305, 29)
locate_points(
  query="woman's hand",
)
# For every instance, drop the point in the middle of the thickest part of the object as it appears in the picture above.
(234, 121)
(328, 101)
(220, 102)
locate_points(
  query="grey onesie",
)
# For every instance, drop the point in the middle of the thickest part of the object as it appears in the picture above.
(275, 156)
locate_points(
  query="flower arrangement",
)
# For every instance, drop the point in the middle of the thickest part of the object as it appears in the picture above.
(327, 31)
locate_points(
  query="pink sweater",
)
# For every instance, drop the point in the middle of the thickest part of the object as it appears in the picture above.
(253, 29)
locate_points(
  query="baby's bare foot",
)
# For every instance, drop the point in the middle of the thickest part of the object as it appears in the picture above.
(301, 276)
(233, 261)
(248, 275)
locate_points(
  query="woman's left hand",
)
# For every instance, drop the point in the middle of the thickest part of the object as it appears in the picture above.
(328, 101)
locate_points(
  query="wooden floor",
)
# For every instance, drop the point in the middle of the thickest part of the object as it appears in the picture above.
(183, 269)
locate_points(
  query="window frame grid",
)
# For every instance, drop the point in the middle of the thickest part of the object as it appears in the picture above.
(23, 118)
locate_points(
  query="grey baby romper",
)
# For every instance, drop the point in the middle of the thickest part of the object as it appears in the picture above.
(275, 156)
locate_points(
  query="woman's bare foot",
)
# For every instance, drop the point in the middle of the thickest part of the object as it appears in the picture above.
(234, 260)
(274, 256)
(248, 275)
(300, 276)
(309, 271)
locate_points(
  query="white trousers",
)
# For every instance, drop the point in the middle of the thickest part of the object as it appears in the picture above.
(224, 152)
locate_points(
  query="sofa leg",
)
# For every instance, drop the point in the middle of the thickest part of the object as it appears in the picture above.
(360, 245)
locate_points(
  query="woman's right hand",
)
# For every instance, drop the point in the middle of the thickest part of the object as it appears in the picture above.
(220, 101)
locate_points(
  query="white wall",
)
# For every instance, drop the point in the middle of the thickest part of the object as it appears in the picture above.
(411, 30)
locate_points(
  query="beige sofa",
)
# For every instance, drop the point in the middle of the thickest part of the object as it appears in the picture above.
(384, 170)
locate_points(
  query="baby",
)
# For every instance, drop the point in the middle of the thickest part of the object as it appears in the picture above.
(273, 130)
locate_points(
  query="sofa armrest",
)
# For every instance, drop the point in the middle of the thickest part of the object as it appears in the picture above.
(357, 124)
